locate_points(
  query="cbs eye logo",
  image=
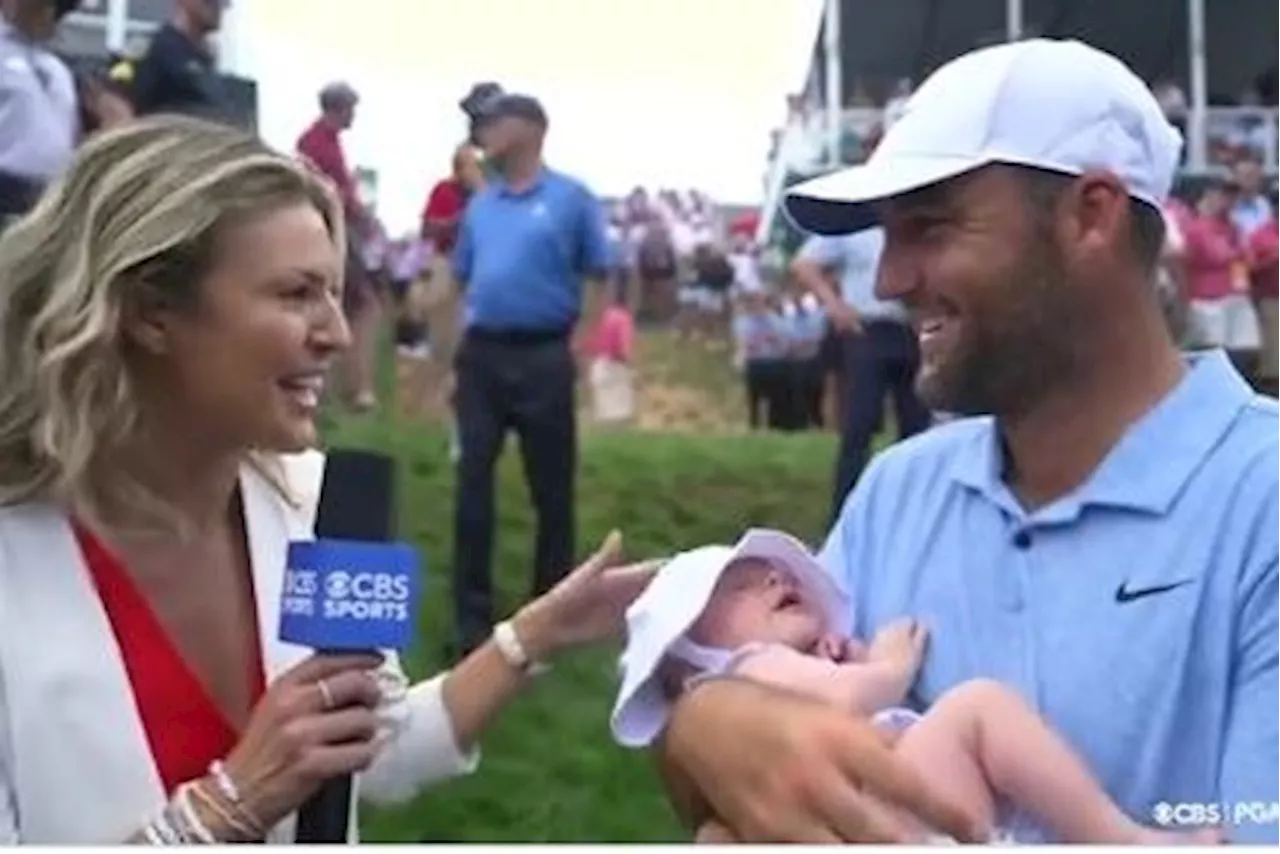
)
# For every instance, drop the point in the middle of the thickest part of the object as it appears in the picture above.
(337, 585)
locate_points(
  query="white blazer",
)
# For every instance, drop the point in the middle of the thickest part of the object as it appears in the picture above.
(75, 767)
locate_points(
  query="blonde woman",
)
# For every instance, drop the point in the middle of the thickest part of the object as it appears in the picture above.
(167, 314)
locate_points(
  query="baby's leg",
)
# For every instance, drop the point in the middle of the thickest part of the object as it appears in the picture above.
(981, 738)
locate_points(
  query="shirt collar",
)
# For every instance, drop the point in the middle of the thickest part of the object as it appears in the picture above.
(1150, 465)
(500, 184)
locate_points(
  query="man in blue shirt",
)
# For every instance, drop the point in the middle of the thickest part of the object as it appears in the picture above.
(1099, 534)
(529, 242)
(878, 351)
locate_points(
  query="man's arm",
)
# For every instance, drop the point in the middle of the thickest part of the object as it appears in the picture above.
(811, 268)
(463, 257)
(1248, 777)
(593, 263)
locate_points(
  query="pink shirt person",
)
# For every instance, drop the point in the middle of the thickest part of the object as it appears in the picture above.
(613, 335)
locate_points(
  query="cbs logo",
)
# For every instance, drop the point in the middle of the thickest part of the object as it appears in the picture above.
(366, 586)
(1187, 815)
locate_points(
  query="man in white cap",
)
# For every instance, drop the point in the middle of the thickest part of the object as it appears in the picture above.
(1099, 535)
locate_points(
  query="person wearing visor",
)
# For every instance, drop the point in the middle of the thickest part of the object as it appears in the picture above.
(39, 107)
(529, 243)
(1096, 531)
(178, 73)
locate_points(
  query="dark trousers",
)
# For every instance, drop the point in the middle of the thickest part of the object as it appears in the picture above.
(766, 381)
(526, 384)
(881, 360)
(806, 390)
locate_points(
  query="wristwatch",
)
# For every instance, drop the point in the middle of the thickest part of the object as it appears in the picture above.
(508, 643)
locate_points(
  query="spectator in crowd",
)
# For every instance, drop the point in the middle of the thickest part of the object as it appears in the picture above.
(441, 219)
(1252, 208)
(657, 269)
(165, 321)
(531, 242)
(806, 325)
(761, 344)
(611, 353)
(1218, 264)
(105, 92)
(178, 72)
(1266, 270)
(39, 110)
(321, 145)
(878, 347)
(1100, 536)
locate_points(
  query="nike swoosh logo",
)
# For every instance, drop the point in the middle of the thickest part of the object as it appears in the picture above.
(1125, 594)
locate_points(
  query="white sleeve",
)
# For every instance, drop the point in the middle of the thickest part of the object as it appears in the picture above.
(421, 747)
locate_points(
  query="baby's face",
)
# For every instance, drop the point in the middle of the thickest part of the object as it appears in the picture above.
(757, 603)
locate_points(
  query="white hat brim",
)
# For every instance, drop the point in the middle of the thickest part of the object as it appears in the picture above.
(844, 202)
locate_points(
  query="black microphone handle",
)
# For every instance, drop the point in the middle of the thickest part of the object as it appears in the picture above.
(356, 503)
(324, 817)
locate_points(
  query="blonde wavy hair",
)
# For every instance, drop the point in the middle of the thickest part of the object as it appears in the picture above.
(135, 220)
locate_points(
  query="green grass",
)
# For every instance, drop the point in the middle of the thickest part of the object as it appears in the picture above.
(550, 772)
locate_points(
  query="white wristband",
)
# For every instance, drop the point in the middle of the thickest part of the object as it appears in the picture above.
(508, 643)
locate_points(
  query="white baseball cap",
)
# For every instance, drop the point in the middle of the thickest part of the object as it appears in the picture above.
(672, 602)
(1061, 106)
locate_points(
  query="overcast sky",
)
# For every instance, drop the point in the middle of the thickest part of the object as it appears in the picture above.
(663, 92)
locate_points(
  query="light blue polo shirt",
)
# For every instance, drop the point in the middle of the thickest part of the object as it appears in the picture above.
(1137, 615)
(855, 259)
(521, 257)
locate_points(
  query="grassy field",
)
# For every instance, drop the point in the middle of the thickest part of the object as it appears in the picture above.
(550, 772)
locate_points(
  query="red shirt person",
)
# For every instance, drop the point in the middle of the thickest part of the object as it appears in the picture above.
(321, 145)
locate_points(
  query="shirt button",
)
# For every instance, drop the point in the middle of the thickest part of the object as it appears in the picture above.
(1022, 540)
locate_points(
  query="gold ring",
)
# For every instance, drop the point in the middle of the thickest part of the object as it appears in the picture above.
(326, 695)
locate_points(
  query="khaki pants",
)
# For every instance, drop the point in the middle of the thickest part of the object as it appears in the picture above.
(434, 300)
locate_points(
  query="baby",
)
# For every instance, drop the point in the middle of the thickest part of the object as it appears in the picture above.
(765, 610)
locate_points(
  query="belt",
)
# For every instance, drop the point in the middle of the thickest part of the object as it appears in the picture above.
(518, 337)
(18, 194)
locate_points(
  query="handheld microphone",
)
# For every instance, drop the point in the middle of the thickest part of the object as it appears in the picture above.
(350, 590)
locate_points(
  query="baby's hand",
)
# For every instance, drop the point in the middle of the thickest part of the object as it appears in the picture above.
(902, 641)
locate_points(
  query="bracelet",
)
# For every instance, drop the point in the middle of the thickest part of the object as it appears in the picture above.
(243, 824)
(190, 824)
(228, 789)
(508, 643)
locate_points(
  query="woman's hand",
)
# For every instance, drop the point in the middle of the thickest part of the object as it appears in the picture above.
(317, 721)
(587, 606)
(812, 773)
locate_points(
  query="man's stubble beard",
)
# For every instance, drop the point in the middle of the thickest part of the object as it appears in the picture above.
(1024, 342)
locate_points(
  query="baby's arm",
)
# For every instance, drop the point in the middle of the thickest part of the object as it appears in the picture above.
(861, 687)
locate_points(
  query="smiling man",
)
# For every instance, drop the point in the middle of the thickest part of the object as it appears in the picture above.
(1099, 535)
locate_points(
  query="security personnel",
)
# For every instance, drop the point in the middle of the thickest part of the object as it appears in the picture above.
(39, 118)
(178, 74)
(528, 242)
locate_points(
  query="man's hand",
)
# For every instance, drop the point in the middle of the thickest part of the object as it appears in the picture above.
(844, 318)
(778, 767)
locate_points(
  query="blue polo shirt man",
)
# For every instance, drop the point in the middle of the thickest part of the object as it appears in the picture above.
(1098, 532)
(1136, 612)
(1137, 615)
(528, 245)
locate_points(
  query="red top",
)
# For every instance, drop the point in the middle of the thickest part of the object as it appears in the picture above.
(185, 729)
(446, 203)
(1266, 261)
(320, 145)
(613, 335)
(1216, 258)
